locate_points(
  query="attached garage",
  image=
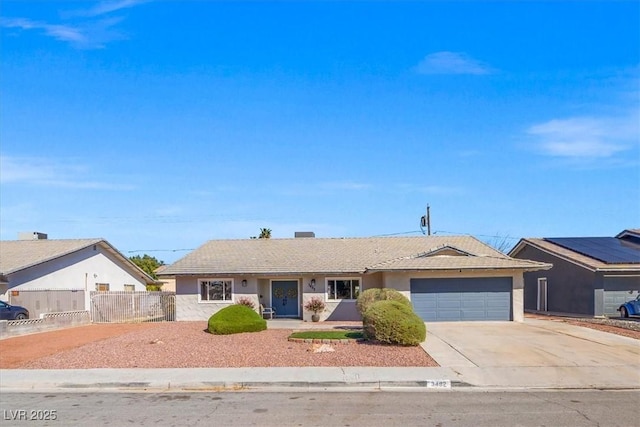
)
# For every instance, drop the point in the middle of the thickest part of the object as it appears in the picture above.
(617, 291)
(462, 299)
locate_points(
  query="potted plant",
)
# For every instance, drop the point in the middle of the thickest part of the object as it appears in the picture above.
(315, 305)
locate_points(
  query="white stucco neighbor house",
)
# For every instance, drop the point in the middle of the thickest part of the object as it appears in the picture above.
(446, 278)
(34, 262)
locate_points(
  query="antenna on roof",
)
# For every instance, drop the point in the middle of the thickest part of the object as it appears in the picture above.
(425, 221)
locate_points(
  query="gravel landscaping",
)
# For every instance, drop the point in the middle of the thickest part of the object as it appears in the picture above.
(626, 328)
(188, 345)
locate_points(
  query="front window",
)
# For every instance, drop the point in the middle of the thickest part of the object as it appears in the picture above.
(129, 288)
(339, 289)
(216, 290)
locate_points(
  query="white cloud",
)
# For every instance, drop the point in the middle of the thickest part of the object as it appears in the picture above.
(106, 7)
(85, 33)
(587, 137)
(65, 33)
(88, 35)
(44, 172)
(452, 63)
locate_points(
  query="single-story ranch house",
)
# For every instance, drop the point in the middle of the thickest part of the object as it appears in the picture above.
(446, 278)
(53, 275)
(590, 275)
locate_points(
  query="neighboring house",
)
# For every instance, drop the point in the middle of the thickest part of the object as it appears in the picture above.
(590, 275)
(76, 266)
(168, 283)
(447, 278)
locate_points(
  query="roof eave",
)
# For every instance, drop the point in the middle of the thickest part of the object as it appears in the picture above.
(261, 273)
(459, 269)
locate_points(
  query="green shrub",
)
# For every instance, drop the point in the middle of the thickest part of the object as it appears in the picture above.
(372, 295)
(392, 322)
(235, 319)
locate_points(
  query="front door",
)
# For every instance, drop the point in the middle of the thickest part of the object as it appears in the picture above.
(284, 298)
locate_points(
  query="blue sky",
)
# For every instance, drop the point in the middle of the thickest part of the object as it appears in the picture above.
(159, 125)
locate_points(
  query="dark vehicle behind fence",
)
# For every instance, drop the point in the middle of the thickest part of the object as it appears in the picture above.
(12, 312)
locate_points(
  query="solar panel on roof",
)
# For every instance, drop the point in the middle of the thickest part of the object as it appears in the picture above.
(606, 249)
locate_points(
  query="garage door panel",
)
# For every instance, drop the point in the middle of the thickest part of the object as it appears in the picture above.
(447, 316)
(493, 300)
(471, 314)
(472, 304)
(462, 298)
(617, 291)
(495, 315)
(449, 304)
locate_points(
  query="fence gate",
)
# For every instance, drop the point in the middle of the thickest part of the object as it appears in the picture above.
(132, 307)
(39, 301)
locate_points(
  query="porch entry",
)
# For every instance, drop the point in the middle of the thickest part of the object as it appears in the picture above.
(285, 298)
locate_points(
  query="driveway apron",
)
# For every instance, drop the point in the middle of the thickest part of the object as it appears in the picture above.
(534, 353)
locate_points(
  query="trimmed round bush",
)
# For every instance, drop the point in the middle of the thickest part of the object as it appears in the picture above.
(392, 322)
(235, 319)
(368, 297)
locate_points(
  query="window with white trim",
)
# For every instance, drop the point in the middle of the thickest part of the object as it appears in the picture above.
(129, 288)
(216, 290)
(340, 289)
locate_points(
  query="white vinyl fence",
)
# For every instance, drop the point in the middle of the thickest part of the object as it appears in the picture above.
(132, 307)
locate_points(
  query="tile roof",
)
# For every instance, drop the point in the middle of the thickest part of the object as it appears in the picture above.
(16, 255)
(341, 255)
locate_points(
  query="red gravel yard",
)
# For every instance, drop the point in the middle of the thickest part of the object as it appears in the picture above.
(188, 345)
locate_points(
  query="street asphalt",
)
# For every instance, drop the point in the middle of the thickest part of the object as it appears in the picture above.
(535, 354)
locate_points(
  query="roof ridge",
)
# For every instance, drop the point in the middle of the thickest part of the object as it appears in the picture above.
(57, 240)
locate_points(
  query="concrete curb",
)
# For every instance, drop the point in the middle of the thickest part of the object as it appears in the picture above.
(228, 379)
(300, 379)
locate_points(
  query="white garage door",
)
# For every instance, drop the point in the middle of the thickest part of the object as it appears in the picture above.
(617, 291)
(462, 299)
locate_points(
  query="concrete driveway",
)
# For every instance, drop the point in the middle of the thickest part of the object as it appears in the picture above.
(536, 353)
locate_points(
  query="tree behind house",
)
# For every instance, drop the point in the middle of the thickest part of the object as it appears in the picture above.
(148, 264)
(265, 233)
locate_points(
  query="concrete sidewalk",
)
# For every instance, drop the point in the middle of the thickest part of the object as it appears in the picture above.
(218, 379)
(536, 354)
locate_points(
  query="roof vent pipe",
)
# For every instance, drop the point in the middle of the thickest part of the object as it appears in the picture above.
(32, 235)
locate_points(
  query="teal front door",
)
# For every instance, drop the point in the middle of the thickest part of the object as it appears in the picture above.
(284, 298)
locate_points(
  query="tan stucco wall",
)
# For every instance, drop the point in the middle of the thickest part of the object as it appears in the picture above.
(188, 306)
(168, 285)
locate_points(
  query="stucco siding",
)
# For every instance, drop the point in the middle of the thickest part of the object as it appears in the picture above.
(259, 289)
(570, 287)
(80, 270)
(188, 308)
